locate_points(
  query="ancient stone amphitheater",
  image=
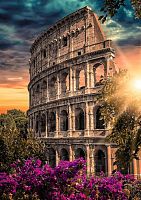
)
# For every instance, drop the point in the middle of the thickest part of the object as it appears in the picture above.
(67, 65)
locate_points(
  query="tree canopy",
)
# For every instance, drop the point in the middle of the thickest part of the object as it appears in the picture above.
(111, 7)
(16, 142)
(121, 111)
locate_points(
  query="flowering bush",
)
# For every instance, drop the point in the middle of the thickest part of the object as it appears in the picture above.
(67, 181)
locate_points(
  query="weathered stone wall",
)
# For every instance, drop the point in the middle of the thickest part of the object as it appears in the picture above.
(67, 65)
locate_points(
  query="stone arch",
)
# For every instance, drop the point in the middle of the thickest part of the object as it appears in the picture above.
(99, 73)
(52, 122)
(43, 123)
(37, 124)
(80, 153)
(100, 162)
(52, 157)
(79, 119)
(38, 88)
(80, 79)
(64, 80)
(64, 155)
(99, 122)
(63, 120)
(52, 87)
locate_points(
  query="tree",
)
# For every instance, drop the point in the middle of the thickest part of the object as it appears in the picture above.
(15, 140)
(111, 7)
(121, 112)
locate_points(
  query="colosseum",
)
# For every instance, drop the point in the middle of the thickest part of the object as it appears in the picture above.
(68, 63)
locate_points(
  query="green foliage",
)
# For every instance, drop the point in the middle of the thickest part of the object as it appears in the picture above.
(111, 7)
(15, 141)
(121, 112)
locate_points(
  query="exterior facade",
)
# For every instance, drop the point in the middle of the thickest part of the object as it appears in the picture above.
(67, 65)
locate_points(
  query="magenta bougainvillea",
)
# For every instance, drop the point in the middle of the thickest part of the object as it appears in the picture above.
(67, 181)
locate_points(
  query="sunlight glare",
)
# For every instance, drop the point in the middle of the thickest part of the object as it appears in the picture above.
(137, 84)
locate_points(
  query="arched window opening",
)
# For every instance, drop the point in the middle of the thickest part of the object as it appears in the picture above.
(44, 85)
(65, 41)
(38, 88)
(37, 124)
(64, 82)
(44, 53)
(82, 83)
(43, 123)
(64, 155)
(52, 86)
(100, 162)
(79, 153)
(79, 119)
(99, 120)
(99, 74)
(64, 121)
(52, 158)
(52, 122)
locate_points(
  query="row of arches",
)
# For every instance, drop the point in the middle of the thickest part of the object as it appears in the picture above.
(64, 121)
(64, 81)
(99, 158)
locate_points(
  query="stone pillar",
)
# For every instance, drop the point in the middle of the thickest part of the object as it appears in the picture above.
(48, 55)
(47, 94)
(58, 86)
(139, 168)
(109, 160)
(92, 167)
(46, 124)
(73, 118)
(58, 51)
(74, 80)
(70, 153)
(91, 114)
(57, 123)
(135, 168)
(88, 159)
(91, 76)
(71, 81)
(70, 120)
(71, 46)
(57, 158)
(87, 76)
(87, 120)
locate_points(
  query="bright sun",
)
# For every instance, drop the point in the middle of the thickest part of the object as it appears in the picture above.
(137, 84)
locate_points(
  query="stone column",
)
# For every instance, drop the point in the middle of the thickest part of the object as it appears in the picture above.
(47, 94)
(70, 153)
(57, 122)
(87, 120)
(88, 159)
(57, 158)
(71, 46)
(87, 76)
(135, 168)
(73, 118)
(71, 81)
(34, 124)
(58, 86)
(91, 71)
(48, 55)
(109, 160)
(92, 167)
(91, 114)
(139, 167)
(74, 80)
(46, 124)
(58, 51)
(70, 120)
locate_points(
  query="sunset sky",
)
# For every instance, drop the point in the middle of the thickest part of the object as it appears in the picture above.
(21, 21)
